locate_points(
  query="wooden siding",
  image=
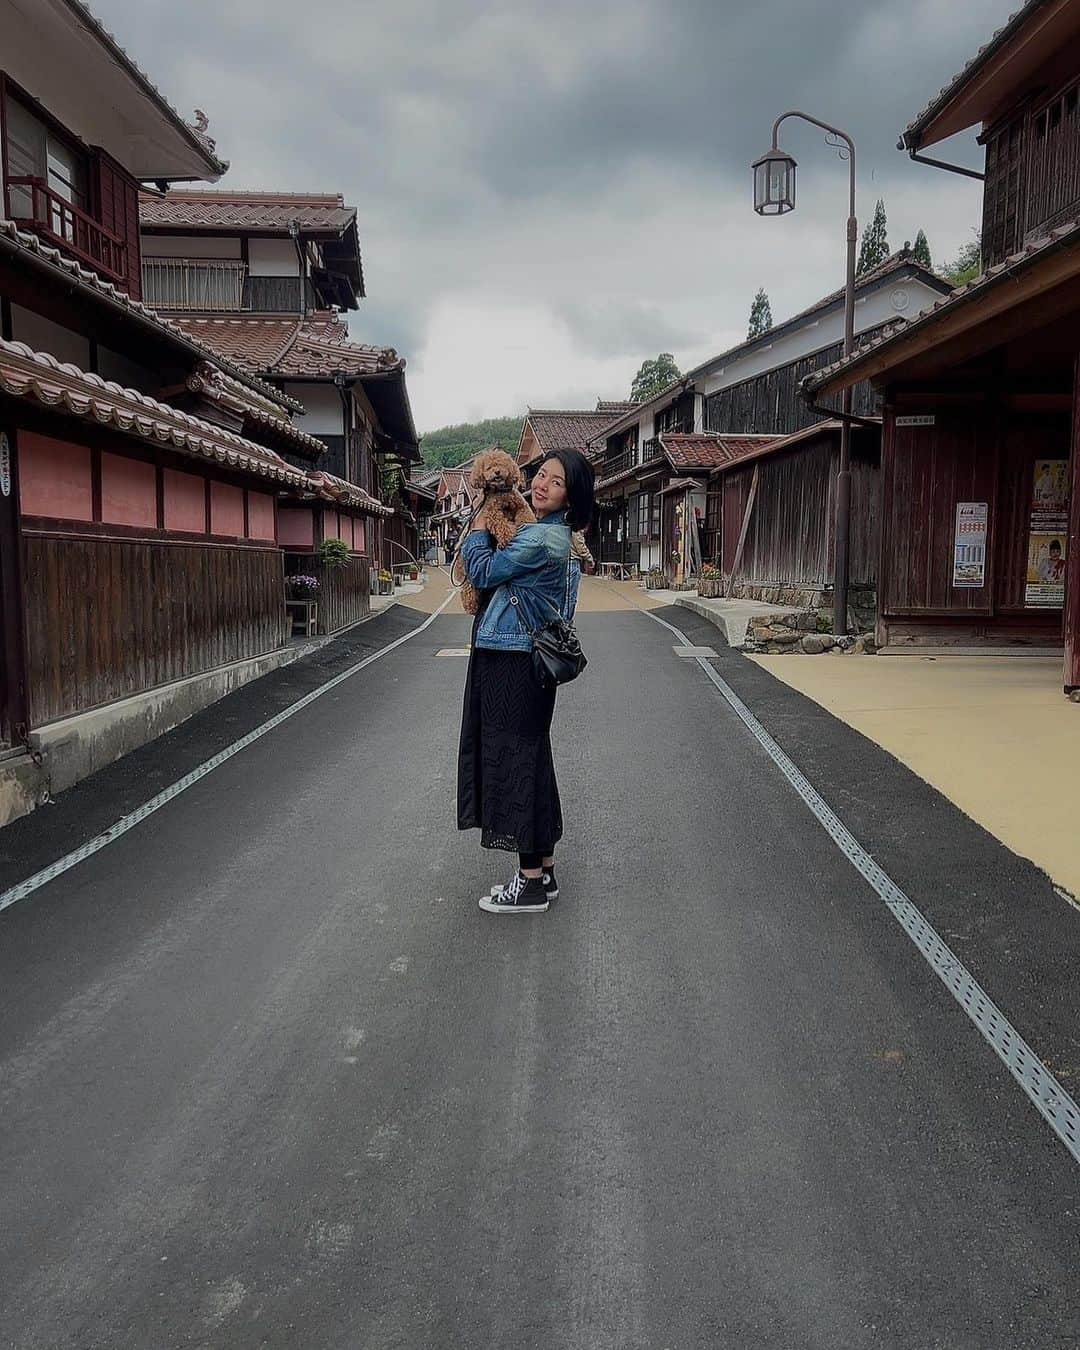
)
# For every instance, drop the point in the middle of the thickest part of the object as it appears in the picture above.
(789, 540)
(106, 618)
(116, 203)
(1025, 438)
(925, 472)
(344, 592)
(346, 595)
(771, 404)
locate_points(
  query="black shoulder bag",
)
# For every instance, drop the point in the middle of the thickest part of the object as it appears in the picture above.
(556, 652)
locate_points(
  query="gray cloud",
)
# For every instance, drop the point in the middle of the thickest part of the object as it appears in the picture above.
(521, 163)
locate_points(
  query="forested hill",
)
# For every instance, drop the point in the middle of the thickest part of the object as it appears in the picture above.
(450, 445)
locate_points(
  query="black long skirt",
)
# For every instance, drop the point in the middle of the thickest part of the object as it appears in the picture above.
(506, 776)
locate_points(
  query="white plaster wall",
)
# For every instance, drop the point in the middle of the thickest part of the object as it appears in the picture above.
(273, 258)
(42, 335)
(907, 297)
(188, 246)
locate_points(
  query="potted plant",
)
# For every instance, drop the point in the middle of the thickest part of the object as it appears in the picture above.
(709, 581)
(655, 579)
(301, 586)
(334, 553)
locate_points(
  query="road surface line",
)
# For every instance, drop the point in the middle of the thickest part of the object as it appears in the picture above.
(133, 818)
(1042, 1088)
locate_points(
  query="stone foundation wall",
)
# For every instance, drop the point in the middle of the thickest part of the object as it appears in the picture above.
(806, 633)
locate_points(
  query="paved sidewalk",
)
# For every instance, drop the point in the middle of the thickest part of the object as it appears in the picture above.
(993, 733)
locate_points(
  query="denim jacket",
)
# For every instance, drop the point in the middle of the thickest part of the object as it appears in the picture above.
(536, 567)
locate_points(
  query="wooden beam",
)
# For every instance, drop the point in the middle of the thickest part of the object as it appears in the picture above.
(743, 531)
(1072, 554)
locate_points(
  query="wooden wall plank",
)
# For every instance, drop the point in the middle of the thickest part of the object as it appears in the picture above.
(109, 618)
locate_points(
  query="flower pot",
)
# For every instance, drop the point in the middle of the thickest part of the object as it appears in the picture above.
(709, 588)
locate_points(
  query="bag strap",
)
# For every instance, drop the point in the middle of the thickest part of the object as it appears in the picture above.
(555, 612)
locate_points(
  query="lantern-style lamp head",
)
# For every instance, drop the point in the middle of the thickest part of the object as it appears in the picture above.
(774, 183)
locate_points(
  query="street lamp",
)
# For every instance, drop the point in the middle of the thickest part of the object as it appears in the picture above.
(774, 195)
(774, 183)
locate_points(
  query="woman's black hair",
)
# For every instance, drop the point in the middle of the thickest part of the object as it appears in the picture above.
(580, 493)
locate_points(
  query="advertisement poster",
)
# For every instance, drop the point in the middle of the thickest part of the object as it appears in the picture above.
(1047, 535)
(969, 551)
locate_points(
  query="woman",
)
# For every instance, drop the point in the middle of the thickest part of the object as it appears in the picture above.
(506, 777)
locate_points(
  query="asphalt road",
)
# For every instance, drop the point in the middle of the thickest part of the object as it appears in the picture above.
(269, 1077)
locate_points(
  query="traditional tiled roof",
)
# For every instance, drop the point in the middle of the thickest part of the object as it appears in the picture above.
(315, 347)
(196, 136)
(1064, 237)
(346, 493)
(613, 407)
(228, 393)
(1015, 21)
(771, 445)
(565, 429)
(196, 210)
(40, 377)
(19, 240)
(708, 450)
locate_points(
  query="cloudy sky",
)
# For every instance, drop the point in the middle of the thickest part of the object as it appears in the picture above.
(551, 191)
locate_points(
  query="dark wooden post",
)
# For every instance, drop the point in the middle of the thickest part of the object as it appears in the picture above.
(1072, 552)
(15, 709)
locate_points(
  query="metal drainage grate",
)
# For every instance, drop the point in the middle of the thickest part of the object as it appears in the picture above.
(694, 651)
(1047, 1095)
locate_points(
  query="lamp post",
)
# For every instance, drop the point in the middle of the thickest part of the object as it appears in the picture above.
(774, 195)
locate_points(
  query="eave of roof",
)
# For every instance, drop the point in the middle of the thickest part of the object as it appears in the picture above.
(199, 142)
(933, 124)
(699, 451)
(29, 248)
(199, 210)
(232, 395)
(346, 493)
(40, 377)
(872, 358)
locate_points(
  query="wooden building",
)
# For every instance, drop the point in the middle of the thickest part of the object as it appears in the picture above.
(770, 518)
(750, 390)
(145, 477)
(261, 278)
(980, 532)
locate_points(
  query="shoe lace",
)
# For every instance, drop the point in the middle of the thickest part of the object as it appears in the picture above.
(516, 886)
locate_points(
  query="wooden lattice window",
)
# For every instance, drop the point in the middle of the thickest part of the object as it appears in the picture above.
(1053, 192)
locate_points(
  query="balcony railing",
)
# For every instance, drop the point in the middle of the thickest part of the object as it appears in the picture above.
(630, 458)
(193, 284)
(35, 206)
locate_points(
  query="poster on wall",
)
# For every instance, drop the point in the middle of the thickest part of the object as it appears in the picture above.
(969, 549)
(1047, 535)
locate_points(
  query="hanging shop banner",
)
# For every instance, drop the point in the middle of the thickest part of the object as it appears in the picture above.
(1048, 535)
(969, 549)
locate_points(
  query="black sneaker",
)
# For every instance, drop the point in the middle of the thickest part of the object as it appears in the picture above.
(551, 886)
(522, 895)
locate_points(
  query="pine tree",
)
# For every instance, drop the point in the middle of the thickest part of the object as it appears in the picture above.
(875, 243)
(760, 315)
(922, 249)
